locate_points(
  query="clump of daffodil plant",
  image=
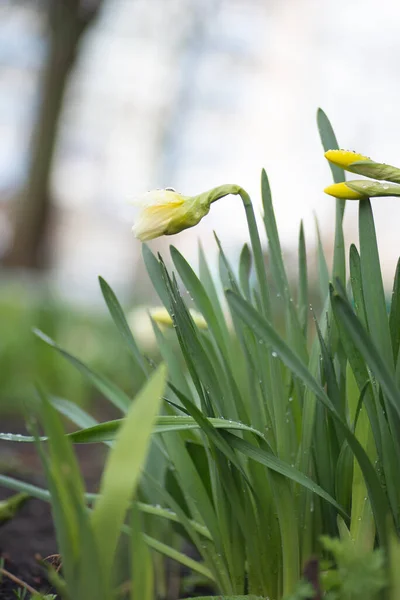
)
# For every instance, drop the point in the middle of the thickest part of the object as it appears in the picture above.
(362, 165)
(278, 425)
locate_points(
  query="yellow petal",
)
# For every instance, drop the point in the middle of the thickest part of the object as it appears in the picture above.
(344, 158)
(343, 192)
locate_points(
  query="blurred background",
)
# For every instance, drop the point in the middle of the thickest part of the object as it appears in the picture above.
(102, 100)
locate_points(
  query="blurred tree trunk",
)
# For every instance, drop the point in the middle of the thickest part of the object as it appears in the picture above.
(68, 20)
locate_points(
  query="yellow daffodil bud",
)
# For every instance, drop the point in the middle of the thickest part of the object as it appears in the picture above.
(162, 317)
(362, 165)
(360, 189)
(166, 212)
(344, 158)
(343, 192)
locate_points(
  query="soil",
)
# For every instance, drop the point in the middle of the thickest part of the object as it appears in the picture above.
(29, 538)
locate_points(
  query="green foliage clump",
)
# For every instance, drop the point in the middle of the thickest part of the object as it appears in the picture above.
(281, 427)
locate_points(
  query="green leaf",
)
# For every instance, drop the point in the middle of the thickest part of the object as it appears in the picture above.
(198, 293)
(276, 262)
(107, 431)
(251, 597)
(323, 273)
(154, 271)
(368, 350)
(279, 466)
(142, 577)
(374, 296)
(120, 321)
(209, 285)
(394, 561)
(258, 254)
(73, 412)
(106, 387)
(356, 284)
(303, 283)
(180, 557)
(394, 318)
(123, 467)
(75, 537)
(265, 331)
(293, 328)
(156, 545)
(245, 262)
(329, 142)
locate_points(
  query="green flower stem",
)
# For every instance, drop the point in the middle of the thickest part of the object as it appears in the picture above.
(205, 199)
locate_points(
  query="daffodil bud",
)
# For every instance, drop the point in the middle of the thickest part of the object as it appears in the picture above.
(343, 192)
(362, 165)
(360, 189)
(162, 317)
(166, 212)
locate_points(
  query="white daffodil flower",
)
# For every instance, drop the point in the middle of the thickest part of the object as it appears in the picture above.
(166, 212)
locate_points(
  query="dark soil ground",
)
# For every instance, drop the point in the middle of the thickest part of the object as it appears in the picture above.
(29, 537)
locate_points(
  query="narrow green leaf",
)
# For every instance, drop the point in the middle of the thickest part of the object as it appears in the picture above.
(279, 466)
(121, 323)
(293, 327)
(107, 431)
(276, 261)
(142, 578)
(356, 284)
(374, 295)
(323, 273)
(74, 534)
(394, 561)
(394, 318)
(368, 350)
(180, 557)
(123, 468)
(329, 142)
(303, 283)
(73, 412)
(198, 293)
(258, 254)
(154, 271)
(245, 262)
(30, 490)
(264, 330)
(106, 387)
(251, 597)
(209, 285)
